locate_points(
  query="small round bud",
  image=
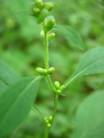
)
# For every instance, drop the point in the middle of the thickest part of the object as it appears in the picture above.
(51, 35)
(49, 6)
(50, 118)
(49, 125)
(41, 71)
(42, 33)
(50, 70)
(57, 84)
(62, 87)
(59, 91)
(42, 16)
(58, 87)
(46, 120)
(49, 23)
(36, 12)
(39, 4)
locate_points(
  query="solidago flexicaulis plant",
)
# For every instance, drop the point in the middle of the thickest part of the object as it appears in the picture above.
(17, 93)
(42, 13)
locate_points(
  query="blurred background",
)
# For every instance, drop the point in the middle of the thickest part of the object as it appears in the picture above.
(22, 48)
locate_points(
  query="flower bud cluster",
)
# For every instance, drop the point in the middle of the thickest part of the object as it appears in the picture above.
(48, 121)
(41, 10)
(58, 87)
(44, 71)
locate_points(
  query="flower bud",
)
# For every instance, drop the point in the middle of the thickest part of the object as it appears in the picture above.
(62, 87)
(51, 118)
(48, 125)
(59, 91)
(49, 23)
(57, 84)
(51, 70)
(51, 35)
(36, 12)
(43, 15)
(39, 4)
(46, 120)
(49, 6)
(58, 87)
(42, 33)
(41, 71)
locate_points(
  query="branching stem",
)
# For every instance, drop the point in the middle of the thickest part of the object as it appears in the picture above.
(50, 82)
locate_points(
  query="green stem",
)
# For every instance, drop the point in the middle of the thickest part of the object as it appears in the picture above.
(55, 107)
(46, 133)
(48, 76)
(46, 58)
(50, 82)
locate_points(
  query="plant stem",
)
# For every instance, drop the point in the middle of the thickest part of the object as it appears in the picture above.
(55, 107)
(46, 133)
(53, 116)
(46, 58)
(50, 82)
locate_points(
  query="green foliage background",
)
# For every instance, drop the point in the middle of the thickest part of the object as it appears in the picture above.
(22, 48)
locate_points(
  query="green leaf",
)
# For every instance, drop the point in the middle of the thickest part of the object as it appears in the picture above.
(7, 75)
(3, 87)
(73, 37)
(15, 104)
(90, 117)
(92, 62)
